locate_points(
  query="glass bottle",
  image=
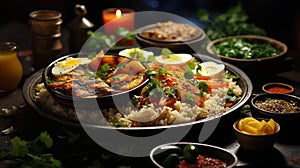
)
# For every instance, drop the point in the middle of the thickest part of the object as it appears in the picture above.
(11, 69)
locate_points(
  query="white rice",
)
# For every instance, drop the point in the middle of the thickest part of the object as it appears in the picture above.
(147, 116)
(44, 99)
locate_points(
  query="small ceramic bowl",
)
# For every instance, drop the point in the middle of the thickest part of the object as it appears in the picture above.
(186, 46)
(288, 116)
(256, 142)
(166, 155)
(276, 109)
(279, 88)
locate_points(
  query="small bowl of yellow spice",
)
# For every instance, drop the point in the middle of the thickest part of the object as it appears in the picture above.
(256, 134)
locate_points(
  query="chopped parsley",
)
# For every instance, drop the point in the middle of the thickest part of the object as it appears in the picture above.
(103, 71)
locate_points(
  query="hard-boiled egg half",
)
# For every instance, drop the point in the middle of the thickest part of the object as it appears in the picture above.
(136, 53)
(174, 59)
(67, 65)
(210, 69)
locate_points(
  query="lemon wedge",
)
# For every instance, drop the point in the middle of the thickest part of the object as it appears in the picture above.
(251, 125)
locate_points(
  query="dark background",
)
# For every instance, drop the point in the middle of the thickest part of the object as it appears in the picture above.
(280, 18)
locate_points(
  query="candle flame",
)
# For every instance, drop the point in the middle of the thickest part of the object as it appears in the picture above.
(118, 13)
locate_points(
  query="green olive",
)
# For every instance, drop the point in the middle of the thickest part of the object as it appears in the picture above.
(190, 152)
(171, 161)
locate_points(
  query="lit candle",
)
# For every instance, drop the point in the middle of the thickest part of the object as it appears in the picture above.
(114, 18)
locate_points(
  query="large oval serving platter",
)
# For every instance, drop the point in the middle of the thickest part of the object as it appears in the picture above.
(244, 82)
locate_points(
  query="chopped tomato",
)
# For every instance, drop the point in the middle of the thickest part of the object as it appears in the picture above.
(199, 77)
(214, 85)
(229, 104)
(170, 80)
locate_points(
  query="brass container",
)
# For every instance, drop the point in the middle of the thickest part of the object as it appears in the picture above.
(46, 36)
(45, 22)
(78, 28)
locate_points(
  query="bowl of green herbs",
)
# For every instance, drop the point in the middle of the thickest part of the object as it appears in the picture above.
(254, 54)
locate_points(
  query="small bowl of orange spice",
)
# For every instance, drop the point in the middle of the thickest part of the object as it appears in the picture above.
(256, 134)
(279, 88)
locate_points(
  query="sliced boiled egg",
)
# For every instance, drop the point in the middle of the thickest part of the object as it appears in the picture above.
(174, 59)
(210, 69)
(67, 65)
(136, 53)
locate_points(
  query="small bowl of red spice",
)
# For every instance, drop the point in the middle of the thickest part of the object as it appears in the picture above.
(278, 88)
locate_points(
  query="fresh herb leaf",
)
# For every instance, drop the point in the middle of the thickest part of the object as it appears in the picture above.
(170, 91)
(135, 101)
(103, 71)
(229, 75)
(43, 161)
(151, 73)
(231, 97)
(234, 21)
(99, 40)
(19, 148)
(121, 31)
(154, 83)
(166, 52)
(45, 138)
(118, 124)
(32, 152)
(203, 86)
(198, 69)
(163, 71)
(188, 74)
(203, 15)
(49, 80)
(191, 64)
(230, 92)
(150, 59)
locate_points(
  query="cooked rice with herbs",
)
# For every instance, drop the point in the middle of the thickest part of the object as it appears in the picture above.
(147, 116)
(173, 95)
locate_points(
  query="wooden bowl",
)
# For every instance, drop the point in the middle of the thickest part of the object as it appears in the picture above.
(255, 66)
